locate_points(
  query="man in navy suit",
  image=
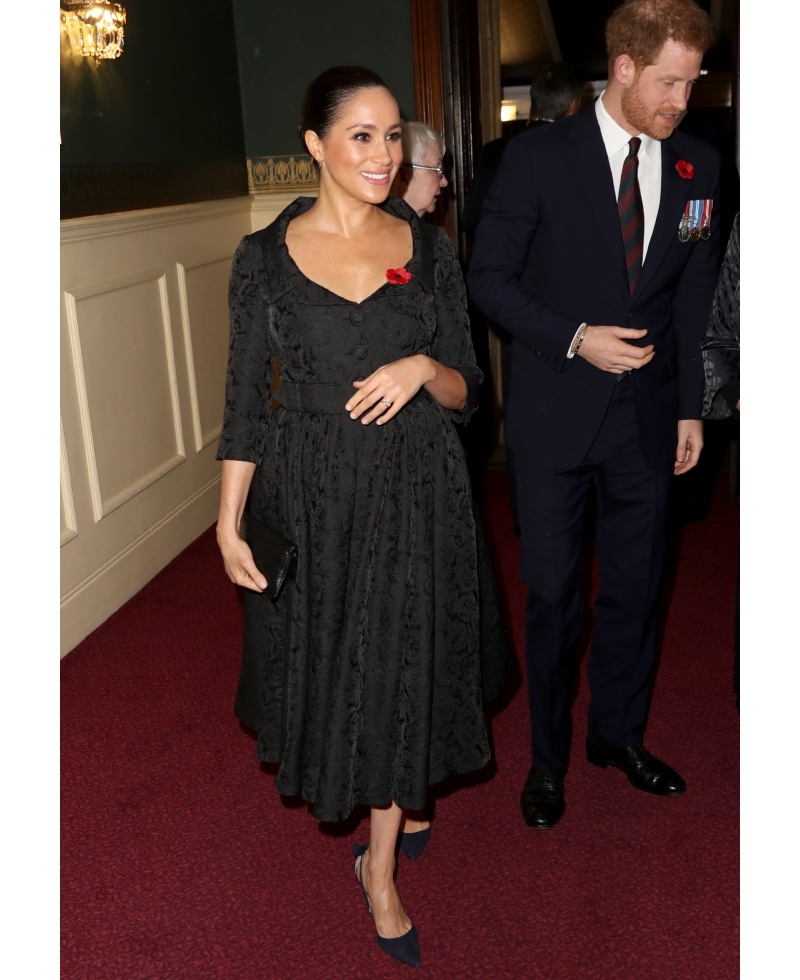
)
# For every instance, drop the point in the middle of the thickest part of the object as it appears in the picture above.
(598, 252)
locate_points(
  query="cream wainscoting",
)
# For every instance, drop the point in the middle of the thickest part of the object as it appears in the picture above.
(144, 338)
(267, 207)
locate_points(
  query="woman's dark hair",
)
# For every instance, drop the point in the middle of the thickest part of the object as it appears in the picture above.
(326, 95)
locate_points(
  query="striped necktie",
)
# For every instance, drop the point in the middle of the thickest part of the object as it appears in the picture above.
(631, 212)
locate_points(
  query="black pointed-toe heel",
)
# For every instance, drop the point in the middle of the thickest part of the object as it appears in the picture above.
(404, 948)
(412, 845)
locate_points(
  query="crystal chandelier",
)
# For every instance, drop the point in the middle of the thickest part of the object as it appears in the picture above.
(95, 29)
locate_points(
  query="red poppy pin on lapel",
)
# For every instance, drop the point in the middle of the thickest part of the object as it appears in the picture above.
(685, 169)
(398, 277)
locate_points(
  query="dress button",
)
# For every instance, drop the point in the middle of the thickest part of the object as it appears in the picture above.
(360, 352)
(356, 317)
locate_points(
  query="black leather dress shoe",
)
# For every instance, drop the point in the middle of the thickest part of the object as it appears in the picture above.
(543, 798)
(644, 771)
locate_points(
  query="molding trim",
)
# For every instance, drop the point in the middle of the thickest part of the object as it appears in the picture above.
(101, 508)
(277, 174)
(142, 483)
(201, 439)
(137, 541)
(172, 368)
(100, 594)
(83, 405)
(71, 530)
(125, 222)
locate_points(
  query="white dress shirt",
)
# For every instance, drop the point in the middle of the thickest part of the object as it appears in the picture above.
(616, 141)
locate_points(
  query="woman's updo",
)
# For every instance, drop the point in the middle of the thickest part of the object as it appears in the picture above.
(327, 94)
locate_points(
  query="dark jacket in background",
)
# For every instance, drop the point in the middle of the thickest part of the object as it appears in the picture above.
(485, 172)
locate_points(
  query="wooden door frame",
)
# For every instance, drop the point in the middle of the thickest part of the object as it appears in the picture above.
(456, 56)
(458, 93)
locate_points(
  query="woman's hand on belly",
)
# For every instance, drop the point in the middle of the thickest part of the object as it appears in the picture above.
(388, 389)
(395, 383)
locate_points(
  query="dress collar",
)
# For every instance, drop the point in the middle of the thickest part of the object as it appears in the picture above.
(421, 263)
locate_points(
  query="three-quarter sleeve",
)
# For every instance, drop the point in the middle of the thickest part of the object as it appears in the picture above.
(452, 344)
(249, 379)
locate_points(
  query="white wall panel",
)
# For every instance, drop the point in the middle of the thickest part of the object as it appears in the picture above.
(121, 340)
(203, 286)
(144, 347)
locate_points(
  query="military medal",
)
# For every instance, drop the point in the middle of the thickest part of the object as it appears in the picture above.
(705, 220)
(696, 221)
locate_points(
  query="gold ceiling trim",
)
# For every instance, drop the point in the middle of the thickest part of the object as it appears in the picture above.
(272, 175)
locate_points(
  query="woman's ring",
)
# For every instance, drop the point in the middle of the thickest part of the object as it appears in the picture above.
(386, 402)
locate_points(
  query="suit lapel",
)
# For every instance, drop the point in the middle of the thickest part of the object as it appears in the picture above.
(597, 188)
(675, 192)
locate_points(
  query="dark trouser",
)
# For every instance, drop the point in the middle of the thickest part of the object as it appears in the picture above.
(630, 537)
(511, 475)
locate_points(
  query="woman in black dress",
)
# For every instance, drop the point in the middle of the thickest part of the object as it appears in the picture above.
(367, 668)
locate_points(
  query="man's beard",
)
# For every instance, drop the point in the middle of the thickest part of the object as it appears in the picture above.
(642, 117)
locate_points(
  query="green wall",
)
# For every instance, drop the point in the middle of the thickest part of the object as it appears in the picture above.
(209, 90)
(284, 44)
(162, 124)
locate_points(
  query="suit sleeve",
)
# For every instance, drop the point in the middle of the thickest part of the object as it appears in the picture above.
(249, 379)
(452, 344)
(690, 309)
(508, 224)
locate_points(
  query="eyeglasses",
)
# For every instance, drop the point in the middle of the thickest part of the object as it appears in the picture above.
(418, 166)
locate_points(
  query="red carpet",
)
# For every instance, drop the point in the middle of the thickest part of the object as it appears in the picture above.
(181, 861)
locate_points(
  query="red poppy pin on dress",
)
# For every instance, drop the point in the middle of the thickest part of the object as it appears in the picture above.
(685, 169)
(399, 277)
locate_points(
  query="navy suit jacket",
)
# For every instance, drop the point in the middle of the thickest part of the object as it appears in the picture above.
(549, 256)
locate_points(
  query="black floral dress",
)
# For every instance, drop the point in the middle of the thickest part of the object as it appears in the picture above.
(363, 680)
(721, 342)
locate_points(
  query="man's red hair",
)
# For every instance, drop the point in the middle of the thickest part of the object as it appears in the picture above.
(641, 28)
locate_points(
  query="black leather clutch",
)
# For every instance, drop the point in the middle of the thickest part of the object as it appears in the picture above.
(272, 553)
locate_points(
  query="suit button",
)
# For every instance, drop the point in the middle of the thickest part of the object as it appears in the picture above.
(360, 352)
(356, 317)
(628, 316)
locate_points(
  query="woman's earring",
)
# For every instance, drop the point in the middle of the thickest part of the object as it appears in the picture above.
(319, 163)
